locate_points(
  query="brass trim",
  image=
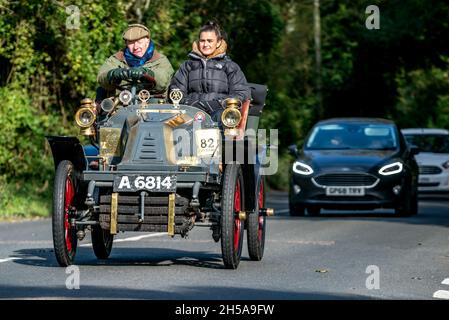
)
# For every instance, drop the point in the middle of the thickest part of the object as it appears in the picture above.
(242, 215)
(87, 131)
(160, 111)
(178, 120)
(233, 132)
(114, 207)
(110, 142)
(229, 110)
(78, 114)
(171, 215)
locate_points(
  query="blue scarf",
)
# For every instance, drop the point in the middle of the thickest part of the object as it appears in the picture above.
(135, 61)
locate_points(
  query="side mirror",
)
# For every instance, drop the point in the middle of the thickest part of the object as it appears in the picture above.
(293, 150)
(414, 149)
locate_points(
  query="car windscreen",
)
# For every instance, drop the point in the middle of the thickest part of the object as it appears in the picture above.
(352, 136)
(435, 143)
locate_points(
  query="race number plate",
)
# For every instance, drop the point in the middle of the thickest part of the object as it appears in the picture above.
(345, 191)
(133, 183)
(207, 142)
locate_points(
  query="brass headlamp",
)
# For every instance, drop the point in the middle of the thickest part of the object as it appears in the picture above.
(85, 117)
(231, 116)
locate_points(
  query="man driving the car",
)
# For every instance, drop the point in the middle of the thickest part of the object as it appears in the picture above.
(138, 61)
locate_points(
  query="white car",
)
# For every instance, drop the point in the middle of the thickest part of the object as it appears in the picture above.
(433, 159)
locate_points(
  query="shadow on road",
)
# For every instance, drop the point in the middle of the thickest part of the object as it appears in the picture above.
(158, 257)
(182, 293)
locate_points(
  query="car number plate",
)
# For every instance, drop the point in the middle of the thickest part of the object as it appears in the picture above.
(345, 191)
(157, 183)
(207, 142)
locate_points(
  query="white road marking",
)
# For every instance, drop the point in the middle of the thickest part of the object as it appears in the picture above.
(445, 281)
(10, 259)
(137, 238)
(306, 242)
(441, 294)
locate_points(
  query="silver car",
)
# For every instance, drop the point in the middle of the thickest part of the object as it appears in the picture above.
(433, 159)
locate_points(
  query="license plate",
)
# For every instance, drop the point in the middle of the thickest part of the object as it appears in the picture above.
(345, 191)
(159, 183)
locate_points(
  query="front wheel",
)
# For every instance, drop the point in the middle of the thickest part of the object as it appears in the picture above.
(296, 210)
(101, 242)
(232, 228)
(256, 227)
(409, 207)
(64, 234)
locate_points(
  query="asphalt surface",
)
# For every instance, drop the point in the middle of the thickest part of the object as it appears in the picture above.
(338, 255)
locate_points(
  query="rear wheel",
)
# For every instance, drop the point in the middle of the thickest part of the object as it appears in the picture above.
(256, 227)
(101, 242)
(64, 234)
(232, 228)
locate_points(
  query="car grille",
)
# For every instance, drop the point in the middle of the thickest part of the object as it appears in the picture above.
(428, 184)
(430, 170)
(346, 179)
(155, 213)
(149, 148)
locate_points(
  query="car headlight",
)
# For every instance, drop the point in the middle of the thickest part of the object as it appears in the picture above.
(231, 117)
(392, 168)
(446, 165)
(85, 117)
(302, 168)
(125, 97)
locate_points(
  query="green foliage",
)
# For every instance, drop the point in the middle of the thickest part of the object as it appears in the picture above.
(423, 97)
(22, 143)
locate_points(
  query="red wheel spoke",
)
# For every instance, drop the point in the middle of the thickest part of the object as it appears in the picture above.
(237, 209)
(69, 195)
(261, 205)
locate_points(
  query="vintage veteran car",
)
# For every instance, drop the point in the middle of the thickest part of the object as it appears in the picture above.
(154, 166)
(354, 163)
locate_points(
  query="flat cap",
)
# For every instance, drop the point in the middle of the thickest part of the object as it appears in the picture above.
(135, 32)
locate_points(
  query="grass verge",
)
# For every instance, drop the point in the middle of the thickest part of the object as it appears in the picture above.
(24, 200)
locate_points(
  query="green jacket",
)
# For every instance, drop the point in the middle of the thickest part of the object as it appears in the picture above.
(159, 64)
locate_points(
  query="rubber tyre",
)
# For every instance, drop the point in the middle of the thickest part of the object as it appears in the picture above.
(64, 235)
(256, 226)
(409, 208)
(101, 242)
(313, 211)
(232, 228)
(296, 211)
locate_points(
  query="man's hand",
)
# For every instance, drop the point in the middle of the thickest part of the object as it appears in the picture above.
(138, 73)
(115, 76)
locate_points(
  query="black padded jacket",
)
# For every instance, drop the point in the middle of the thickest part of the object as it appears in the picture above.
(207, 82)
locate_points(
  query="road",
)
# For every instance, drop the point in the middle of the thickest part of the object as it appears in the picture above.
(338, 255)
